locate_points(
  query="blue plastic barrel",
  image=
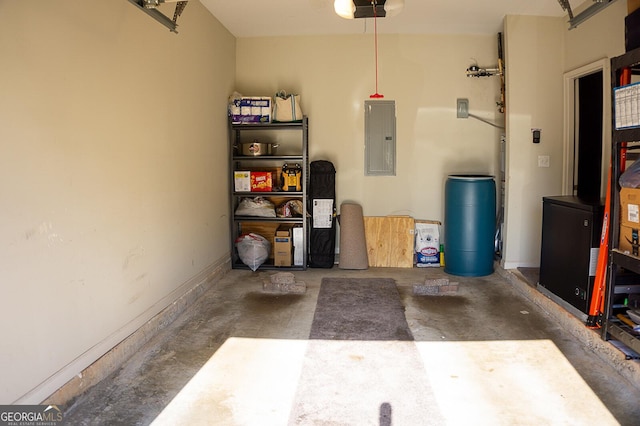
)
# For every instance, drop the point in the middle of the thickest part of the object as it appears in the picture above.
(469, 225)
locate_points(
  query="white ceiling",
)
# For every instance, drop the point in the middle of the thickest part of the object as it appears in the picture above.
(261, 18)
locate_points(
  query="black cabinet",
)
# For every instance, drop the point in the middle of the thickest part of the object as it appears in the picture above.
(571, 229)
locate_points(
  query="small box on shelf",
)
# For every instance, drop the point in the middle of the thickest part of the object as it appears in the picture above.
(629, 220)
(256, 109)
(242, 181)
(629, 241)
(261, 181)
(282, 247)
(630, 206)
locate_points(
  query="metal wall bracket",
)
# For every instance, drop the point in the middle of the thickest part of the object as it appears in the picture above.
(159, 16)
(596, 7)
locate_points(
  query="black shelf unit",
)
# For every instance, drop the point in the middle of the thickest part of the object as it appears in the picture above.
(623, 277)
(298, 153)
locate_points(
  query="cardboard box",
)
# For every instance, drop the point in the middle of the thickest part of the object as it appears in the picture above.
(630, 207)
(629, 240)
(629, 220)
(261, 181)
(282, 247)
(242, 181)
(255, 109)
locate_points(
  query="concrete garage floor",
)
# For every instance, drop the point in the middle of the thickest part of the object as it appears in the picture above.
(496, 352)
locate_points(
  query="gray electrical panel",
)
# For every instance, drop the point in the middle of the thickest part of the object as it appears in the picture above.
(380, 138)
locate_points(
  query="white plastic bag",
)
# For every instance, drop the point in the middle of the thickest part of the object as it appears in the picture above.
(257, 206)
(631, 177)
(253, 250)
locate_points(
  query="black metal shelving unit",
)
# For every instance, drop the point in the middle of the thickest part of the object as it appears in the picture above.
(624, 269)
(298, 148)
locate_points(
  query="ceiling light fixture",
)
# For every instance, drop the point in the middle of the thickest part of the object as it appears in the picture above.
(353, 9)
(345, 8)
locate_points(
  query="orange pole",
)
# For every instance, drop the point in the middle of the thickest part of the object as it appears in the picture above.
(597, 298)
(596, 307)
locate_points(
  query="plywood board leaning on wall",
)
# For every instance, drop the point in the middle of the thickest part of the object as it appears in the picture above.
(390, 241)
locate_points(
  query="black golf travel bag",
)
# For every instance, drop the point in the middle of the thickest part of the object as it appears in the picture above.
(322, 208)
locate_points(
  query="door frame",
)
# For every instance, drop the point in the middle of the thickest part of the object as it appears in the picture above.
(570, 78)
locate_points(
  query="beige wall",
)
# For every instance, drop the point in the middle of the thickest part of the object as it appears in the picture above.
(112, 177)
(423, 74)
(539, 52)
(534, 62)
(601, 36)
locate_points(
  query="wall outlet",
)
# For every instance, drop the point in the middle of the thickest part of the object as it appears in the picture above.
(543, 161)
(462, 108)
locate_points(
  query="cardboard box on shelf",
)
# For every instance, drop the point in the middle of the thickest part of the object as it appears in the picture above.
(629, 220)
(255, 109)
(630, 207)
(629, 241)
(261, 181)
(242, 181)
(282, 247)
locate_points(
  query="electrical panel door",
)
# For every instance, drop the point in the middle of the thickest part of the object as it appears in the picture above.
(380, 138)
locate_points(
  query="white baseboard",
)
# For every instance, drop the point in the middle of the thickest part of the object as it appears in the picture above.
(515, 265)
(105, 357)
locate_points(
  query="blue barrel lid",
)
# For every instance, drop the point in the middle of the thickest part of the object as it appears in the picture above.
(470, 177)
